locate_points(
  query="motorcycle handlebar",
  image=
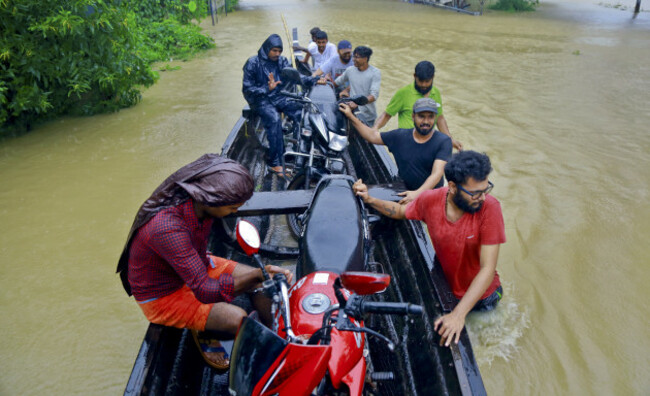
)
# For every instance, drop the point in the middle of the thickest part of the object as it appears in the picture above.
(292, 95)
(391, 308)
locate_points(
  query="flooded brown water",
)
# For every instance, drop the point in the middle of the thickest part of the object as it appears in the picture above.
(558, 98)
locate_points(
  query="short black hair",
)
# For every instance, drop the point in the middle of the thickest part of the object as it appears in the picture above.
(314, 30)
(320, 35)
(425, 70)
(466, 164)
(363, 52)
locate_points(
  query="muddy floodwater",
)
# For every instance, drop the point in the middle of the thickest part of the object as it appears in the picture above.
(558, 98)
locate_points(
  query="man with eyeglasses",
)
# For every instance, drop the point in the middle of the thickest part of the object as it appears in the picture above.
(364, 79)
(466, 228)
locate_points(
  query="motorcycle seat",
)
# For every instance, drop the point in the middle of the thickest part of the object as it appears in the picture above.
(333, 239)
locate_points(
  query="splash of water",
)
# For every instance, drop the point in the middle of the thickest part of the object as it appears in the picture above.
(495, 334)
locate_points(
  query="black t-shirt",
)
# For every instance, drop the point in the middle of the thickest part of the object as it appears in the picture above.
(415, 160)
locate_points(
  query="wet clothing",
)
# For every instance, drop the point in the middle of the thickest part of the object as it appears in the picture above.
(211, 180)
(415, 160)
(364, 83)
(169, 252)
(458, 245)
(181, 308)
(402, 104)
(269, 104)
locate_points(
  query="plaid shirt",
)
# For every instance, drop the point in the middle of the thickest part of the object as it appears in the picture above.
(169, 252)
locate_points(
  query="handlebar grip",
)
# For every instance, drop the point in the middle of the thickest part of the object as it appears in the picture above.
(391, 308)
(291, 95)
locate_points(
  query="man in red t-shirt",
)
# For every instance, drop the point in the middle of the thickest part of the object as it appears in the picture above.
(466, 228)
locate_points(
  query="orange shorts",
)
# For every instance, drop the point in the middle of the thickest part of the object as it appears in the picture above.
(181, 308)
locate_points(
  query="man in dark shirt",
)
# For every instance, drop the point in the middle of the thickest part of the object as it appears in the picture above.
(165, 264)
(420, 153)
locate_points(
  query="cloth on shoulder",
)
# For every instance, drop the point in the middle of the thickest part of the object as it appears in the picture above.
(211, 180)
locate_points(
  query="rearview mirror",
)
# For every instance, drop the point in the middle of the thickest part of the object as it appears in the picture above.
(364, 283)
(248, 237)
(290, 75)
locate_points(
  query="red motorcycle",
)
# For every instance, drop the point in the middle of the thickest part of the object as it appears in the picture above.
(317, 344)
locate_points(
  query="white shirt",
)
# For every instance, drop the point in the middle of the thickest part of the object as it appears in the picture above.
(319, 59)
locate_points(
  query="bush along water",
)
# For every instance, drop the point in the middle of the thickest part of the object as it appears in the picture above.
(514, 5)
(84, 57)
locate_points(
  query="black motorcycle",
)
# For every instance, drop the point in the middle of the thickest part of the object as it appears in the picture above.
(319, 141)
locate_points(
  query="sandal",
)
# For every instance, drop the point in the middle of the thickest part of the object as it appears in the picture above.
(212, 351)
(284, 174)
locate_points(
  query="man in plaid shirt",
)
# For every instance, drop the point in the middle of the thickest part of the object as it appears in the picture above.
(164, 264)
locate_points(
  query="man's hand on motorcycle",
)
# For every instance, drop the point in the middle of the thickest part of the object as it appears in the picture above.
(322, 81)
(408, 197)
(272, 83)
(274, 269)
(345, 109)
(361, 190)
(451, 326)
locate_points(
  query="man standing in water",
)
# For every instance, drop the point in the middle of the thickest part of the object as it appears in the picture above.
(402, 102)
(466, 228)
(165, 264)
(420, 152)
(364, 79)
(261, 89)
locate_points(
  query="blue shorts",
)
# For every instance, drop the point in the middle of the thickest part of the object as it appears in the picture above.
(490, 302)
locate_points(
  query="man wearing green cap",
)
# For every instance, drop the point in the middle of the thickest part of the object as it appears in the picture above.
(420, 152)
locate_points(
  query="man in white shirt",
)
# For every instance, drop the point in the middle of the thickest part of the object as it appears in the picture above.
(321, 50)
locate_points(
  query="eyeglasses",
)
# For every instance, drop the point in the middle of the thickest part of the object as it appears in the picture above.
(477, 194)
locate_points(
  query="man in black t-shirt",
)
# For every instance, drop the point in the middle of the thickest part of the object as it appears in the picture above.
(421, 153)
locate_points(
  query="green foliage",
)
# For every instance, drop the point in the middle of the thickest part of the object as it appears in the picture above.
(514, 5)
(87, 56)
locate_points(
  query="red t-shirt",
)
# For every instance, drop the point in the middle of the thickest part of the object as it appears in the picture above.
(458, 245)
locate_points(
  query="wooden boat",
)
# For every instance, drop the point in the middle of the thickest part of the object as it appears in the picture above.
(169, 363)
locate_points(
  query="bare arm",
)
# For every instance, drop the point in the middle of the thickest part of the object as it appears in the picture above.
(371, 135)
(441, 122)
(452, 324)
(382, 121)
(387, 208)
(437, 171)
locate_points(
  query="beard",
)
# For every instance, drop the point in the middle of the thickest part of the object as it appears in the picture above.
(346, 58)
(465, 205)
(422, 90)
(422, 130)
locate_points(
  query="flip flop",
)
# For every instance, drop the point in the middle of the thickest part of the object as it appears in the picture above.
(284, 174)
(212, 351)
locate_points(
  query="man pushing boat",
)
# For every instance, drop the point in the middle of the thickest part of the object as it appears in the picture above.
(165, 265)
(466, 228)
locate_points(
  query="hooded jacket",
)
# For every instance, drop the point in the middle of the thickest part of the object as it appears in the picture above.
(256, 74)
(211, 180)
